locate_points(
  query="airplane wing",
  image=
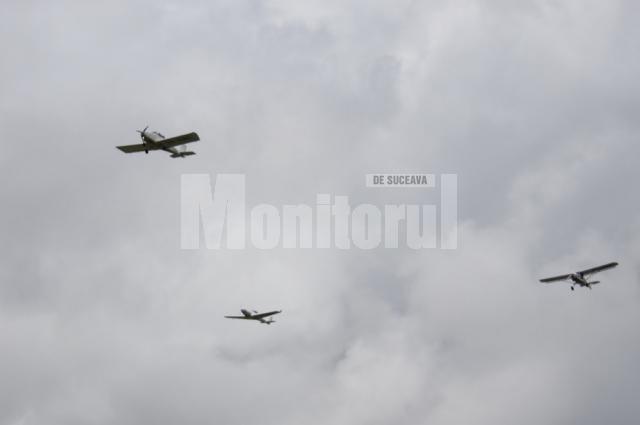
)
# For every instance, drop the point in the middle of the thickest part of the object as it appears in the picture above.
(599, 268)
(263, 315)
(136, 148)
(555, 278)
(239, 317)
(179, 140)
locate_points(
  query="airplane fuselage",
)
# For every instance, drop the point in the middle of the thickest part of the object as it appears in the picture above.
(578, 279)
(153, 139)
(249, 315)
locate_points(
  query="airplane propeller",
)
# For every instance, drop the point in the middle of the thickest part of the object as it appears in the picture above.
(142, 137)
(142, 132)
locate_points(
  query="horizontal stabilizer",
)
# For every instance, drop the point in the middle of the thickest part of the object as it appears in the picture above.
(182, 154)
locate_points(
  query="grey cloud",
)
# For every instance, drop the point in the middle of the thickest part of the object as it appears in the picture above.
(105, 320)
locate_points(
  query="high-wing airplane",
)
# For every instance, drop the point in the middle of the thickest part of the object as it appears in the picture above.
(248, 315)
(581, 278)
(153, 141)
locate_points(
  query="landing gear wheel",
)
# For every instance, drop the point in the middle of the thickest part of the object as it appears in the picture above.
(572, 288)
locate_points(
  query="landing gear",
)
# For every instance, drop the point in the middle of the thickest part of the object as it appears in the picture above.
(146, 151)
(572, 288)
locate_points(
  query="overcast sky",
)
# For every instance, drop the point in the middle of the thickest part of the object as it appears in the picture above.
(533, 104)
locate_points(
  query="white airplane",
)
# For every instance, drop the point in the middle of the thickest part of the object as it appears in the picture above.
(581, 278)
(248, 315)
(153, 141)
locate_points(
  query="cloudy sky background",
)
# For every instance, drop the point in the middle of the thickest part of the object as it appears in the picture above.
(534, 104)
